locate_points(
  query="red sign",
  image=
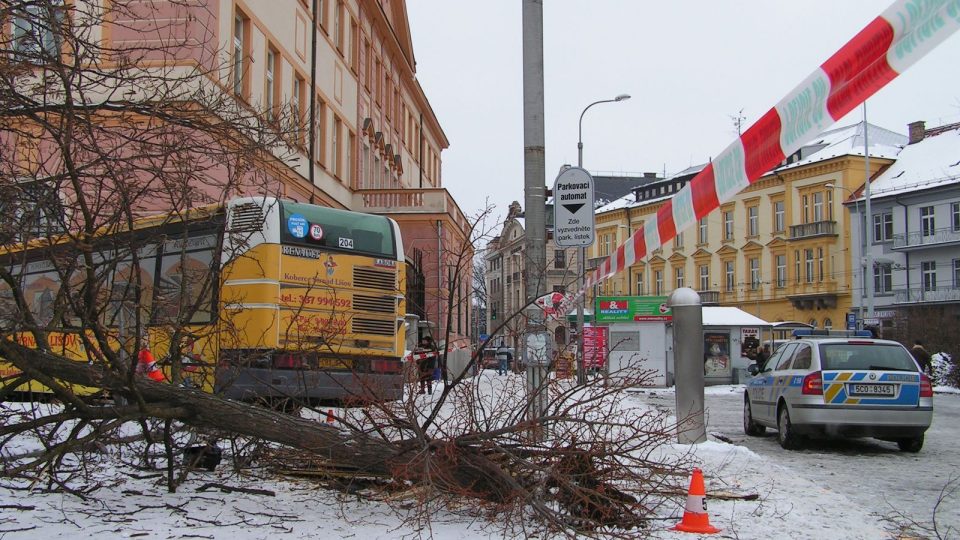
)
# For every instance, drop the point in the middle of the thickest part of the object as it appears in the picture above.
(551, 304)
(595, 343)
(316, 231)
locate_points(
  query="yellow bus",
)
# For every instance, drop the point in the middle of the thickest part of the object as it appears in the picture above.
(266, 299)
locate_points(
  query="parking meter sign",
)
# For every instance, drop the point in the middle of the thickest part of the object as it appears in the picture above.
(573, 202)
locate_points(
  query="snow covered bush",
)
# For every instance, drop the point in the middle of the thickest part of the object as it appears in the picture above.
(945, 372)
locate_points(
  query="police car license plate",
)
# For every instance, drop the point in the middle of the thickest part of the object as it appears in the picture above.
(871, 390)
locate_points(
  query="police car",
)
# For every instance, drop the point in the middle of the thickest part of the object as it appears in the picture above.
(822, 384)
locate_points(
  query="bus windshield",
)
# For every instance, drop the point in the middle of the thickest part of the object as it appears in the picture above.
(339, 230)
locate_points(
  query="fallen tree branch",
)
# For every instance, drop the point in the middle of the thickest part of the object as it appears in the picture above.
(230, 489)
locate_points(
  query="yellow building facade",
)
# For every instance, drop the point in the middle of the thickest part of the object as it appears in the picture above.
(781, 250)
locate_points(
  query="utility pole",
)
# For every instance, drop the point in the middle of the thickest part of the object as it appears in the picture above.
(534, 180)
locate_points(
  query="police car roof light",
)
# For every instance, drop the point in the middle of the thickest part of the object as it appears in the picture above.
(815, 333)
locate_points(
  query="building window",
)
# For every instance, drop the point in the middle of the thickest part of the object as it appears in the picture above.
(641, 289)
(351, 144)
(320, 132)
(778, 220)
(366, 175)
(818, 207)
(819, 264)
(929, 275)
(658, 279)
(241, 31)
(322, 14)
(679, 277)
(796, 265)
(704, 277)
(605, 241)
(728, 225)
(755, 273)
(882, 279)
(335, 146)
(35, 209)
(927, 225)
(753, 221)
(703, 232)
(728, 276)
(560, 258)
(678, 241)
(297, 108)
(781, 271)
(353, 53)
(273, 80)
(955, 216)
(830, 204)
(35, 35)
(808, 258)
(338, 26)
(805, 209)
(883, 227)
(956, 273)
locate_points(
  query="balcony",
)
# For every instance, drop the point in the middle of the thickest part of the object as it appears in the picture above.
(917, 240)
(409, 201)
(919, 296)
(810, 230)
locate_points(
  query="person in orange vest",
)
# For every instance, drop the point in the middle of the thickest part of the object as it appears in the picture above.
(147, 365)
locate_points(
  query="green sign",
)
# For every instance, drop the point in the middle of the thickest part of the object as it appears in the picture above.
(632, 308)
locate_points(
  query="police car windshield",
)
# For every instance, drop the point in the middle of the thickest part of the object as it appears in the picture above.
(858, 356)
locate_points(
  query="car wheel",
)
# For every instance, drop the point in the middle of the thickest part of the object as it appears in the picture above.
(911, 445)
(749, 426)
(787, 438)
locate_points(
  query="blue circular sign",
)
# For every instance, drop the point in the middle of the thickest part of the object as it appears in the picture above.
(297, 225)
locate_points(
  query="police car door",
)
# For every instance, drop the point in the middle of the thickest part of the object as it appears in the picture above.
(777, 379)
(760, 386)
(789, 377)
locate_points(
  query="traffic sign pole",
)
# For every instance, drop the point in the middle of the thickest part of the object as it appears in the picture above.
(573, 226)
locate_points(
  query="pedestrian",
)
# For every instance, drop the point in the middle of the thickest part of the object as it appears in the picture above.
(503, 359)
(921, 356)
(426, 363)
(762, 356)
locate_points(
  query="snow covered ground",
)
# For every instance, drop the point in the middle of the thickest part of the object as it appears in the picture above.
(120, 501)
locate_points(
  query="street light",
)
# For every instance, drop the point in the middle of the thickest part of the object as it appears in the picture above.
(864, 223)
(581, 372)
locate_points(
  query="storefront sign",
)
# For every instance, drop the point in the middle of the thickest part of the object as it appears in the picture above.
(632, 309)
(749, 342)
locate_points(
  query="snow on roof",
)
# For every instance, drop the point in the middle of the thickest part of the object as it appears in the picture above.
(730, 316)
(932, 162)
(848, 141)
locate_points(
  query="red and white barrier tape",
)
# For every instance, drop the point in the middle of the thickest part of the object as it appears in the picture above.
(420, 356)
(425, 355)
(894, 41)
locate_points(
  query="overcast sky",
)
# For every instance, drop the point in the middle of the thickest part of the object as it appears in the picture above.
(691, 67)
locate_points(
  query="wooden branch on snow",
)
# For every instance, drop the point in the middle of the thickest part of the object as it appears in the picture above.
(230, 489)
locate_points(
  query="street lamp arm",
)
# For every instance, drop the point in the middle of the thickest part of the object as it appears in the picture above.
(621, 97)
(580, 125)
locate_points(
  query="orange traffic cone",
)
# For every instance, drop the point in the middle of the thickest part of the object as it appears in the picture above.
(695, 518)
(330, 418)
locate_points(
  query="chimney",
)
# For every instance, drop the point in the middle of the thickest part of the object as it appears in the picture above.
(917, 131)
